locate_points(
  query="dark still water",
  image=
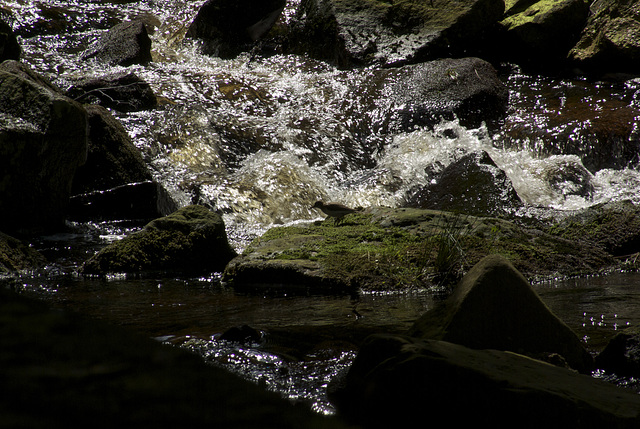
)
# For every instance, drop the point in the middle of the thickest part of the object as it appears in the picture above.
(305, 341)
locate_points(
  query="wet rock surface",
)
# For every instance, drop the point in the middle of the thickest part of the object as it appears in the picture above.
(494, 307)
(397, 380)
(539, 34)
(611, 38)
(349, 33)
(124, 44)
(43, 139)
(463, 360)
(425, 94)
(124, 92)
(191, 240)
(473, 184)
(227, 27)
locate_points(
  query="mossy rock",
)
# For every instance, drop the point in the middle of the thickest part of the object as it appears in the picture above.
(191, 240)
(16, 255)
(400, 249)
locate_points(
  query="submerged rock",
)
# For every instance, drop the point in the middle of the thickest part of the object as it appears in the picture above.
(473, 184)
(229, 27)
(124, 44)
(622, 355)
(360, 32)
(191, 240)
(396, 381)
(611, 40)
(43, 139)
(494, 307)
(123, 91)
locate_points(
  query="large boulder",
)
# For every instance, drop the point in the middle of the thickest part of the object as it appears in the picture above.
(43, 139)
(9, 47)
(424, 94)
(397, 249)
(123, 91)
(396, 381)
(611, 40)
(191, 240)
(115, 182)
(541, 33)
(472, 184)
(363, 32)
(124, 44)
(494, 307)
(229, 27)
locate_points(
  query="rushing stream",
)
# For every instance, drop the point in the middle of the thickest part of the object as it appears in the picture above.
(305, 135)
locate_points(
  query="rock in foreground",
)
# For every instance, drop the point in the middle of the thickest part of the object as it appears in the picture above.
(191, 240)
(396, 381)
(61, 370)
(494, 307)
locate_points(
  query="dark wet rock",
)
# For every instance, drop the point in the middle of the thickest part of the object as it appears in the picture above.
(494, 307)
(43, 139)
(191, 240)
(124, 44)
(115, 182)
(112, 160)
(16, 255)
(424, 94)
(123, 91)
(20, 69)
(242, 334)
(568, 177)
(396, 381)
(61, 370)
(473, 184)
(622, 355)
(398, 249)
(614, 227)
(229, 27)
(611, 40)
(349, 33)
(9, 47)
(541, 33)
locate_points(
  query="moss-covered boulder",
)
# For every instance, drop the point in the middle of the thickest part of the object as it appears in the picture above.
(365, 32)
(190, 241)
(611, 40)
(494, 307)
(541, 33)
(613, 227)
(396, 249)
(396, 381)
(16, 255)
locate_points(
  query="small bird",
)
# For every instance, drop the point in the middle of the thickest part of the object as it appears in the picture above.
(334, 210)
